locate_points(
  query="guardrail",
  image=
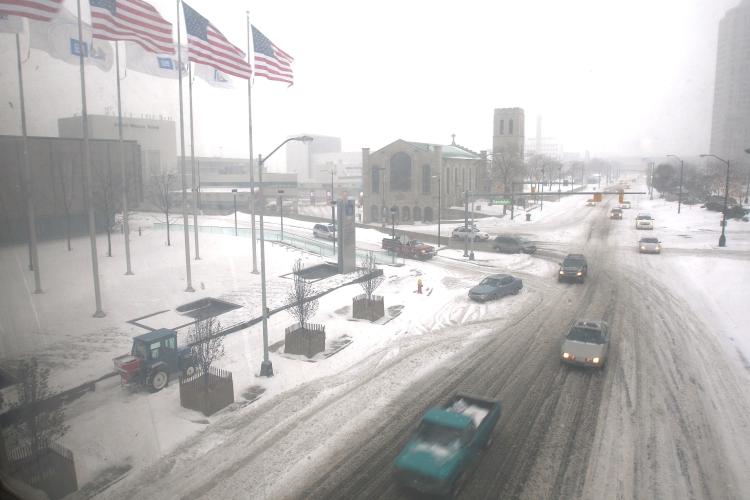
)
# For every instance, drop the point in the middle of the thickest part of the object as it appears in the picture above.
(313, 246)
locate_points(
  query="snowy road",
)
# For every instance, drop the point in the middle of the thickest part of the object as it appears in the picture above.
(667, 418)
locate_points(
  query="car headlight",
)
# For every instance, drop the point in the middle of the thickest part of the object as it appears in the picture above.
(579, 273)
(643, 248)
(566, 355)
(658, 247)
(595, 360)
(562, 272)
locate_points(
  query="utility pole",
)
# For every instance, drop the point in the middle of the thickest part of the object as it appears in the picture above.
(466, 222)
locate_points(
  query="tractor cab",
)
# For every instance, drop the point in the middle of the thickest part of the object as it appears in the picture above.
(152, 359)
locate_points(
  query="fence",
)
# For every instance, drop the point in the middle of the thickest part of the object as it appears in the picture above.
(307, 340)
(51, 470)
(362, 308)
(309, 245)
(196, 394)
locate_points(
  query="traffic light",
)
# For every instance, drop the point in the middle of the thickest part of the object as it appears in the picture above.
(621, 196)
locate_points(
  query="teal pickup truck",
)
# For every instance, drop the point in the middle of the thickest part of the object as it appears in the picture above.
(448, 440)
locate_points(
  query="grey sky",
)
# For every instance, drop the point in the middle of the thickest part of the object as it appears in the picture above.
(631, 77)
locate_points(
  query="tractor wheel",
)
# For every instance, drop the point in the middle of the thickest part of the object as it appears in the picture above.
(158, 380)
(189, 371)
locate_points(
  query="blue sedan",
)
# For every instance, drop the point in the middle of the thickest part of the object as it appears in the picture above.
(496, 286)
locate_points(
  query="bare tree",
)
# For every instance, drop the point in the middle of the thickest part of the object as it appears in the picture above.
(505, 168)
(105, 200)
(161, 186)
(39, 422)
(65, 175)
(367, 271)
(207, 346)
(302, 305)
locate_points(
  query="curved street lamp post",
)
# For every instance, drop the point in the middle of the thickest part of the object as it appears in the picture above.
(266, 367)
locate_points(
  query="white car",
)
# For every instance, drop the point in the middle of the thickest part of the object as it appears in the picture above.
(462, 233)
(644, 221)
(625, 204)
(649, 245)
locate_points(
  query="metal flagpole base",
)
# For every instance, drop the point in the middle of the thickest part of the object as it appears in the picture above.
(190, 289)
(99, 314)
(129, 273)
(254, 271)
(266, 369)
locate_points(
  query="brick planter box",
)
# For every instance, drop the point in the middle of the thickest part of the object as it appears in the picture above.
(308, 340)
(220, 393)
(372, 310)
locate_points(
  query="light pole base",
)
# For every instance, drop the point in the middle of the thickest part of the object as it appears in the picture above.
(722, 241)
(471, 255)
(190, 289)
(99, 314)
(266, 369)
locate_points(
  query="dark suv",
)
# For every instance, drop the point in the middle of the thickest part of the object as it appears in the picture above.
(574, 268)
(512, 244)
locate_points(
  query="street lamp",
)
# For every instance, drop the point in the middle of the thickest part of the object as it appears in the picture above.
(440, 189)
(383, 216)
(393, 222)
(723, 238)
(266, 367)
(747, 190)
(333, 207)
(281, 211)
(234, 194)
(679, 196)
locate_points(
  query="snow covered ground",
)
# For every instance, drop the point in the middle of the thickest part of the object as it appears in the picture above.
(339, 395)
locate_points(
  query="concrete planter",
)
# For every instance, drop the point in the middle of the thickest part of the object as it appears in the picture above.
(372, 310)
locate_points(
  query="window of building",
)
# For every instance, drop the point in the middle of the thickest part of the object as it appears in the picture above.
(375, 179)
(400, 172)
(502, 127)
(510, 127)
(426, 180)
(448, 184)
(375, 213)
(428, 214)
(405, 214)
(417, 213)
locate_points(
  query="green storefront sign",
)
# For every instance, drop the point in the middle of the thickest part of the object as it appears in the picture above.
(501, 201)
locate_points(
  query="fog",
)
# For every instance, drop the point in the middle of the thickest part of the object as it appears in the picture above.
(625, 78)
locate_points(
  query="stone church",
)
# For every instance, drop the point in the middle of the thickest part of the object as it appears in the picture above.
(403, 179)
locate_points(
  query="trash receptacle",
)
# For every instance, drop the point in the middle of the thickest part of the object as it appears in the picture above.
(528, 217)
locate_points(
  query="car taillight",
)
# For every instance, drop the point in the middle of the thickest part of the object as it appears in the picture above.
(566, 355)
(595, 360)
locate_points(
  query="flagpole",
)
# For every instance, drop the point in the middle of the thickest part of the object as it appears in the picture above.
(28, 177)
(125, 215)
(250, 142)
(192, 162)
(99, 313)
(182, 159)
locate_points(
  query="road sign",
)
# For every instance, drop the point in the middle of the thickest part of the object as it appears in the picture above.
(501, 201)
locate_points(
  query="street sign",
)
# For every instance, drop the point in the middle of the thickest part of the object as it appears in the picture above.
(500, 201)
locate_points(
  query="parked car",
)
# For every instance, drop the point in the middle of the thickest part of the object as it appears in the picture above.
(615, 213)
(649, 245)
(573, 268)
(513, 244)
(496, 286)
(586, 344)
(448, 441)
(327, 231)
(462, 233)
(644, 221)
(625, 205)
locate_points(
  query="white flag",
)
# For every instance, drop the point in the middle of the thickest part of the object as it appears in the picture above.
(161, 65)
(213, 76)
(59, 38)
(11, 24)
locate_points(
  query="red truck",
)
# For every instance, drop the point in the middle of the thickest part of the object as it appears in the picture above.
(411, 249)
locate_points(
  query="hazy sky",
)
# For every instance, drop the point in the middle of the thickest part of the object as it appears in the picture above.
(615, 77)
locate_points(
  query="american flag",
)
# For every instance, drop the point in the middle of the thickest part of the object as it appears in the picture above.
(133, 20)
(270, 61)
(206, 45)
(40, 10)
